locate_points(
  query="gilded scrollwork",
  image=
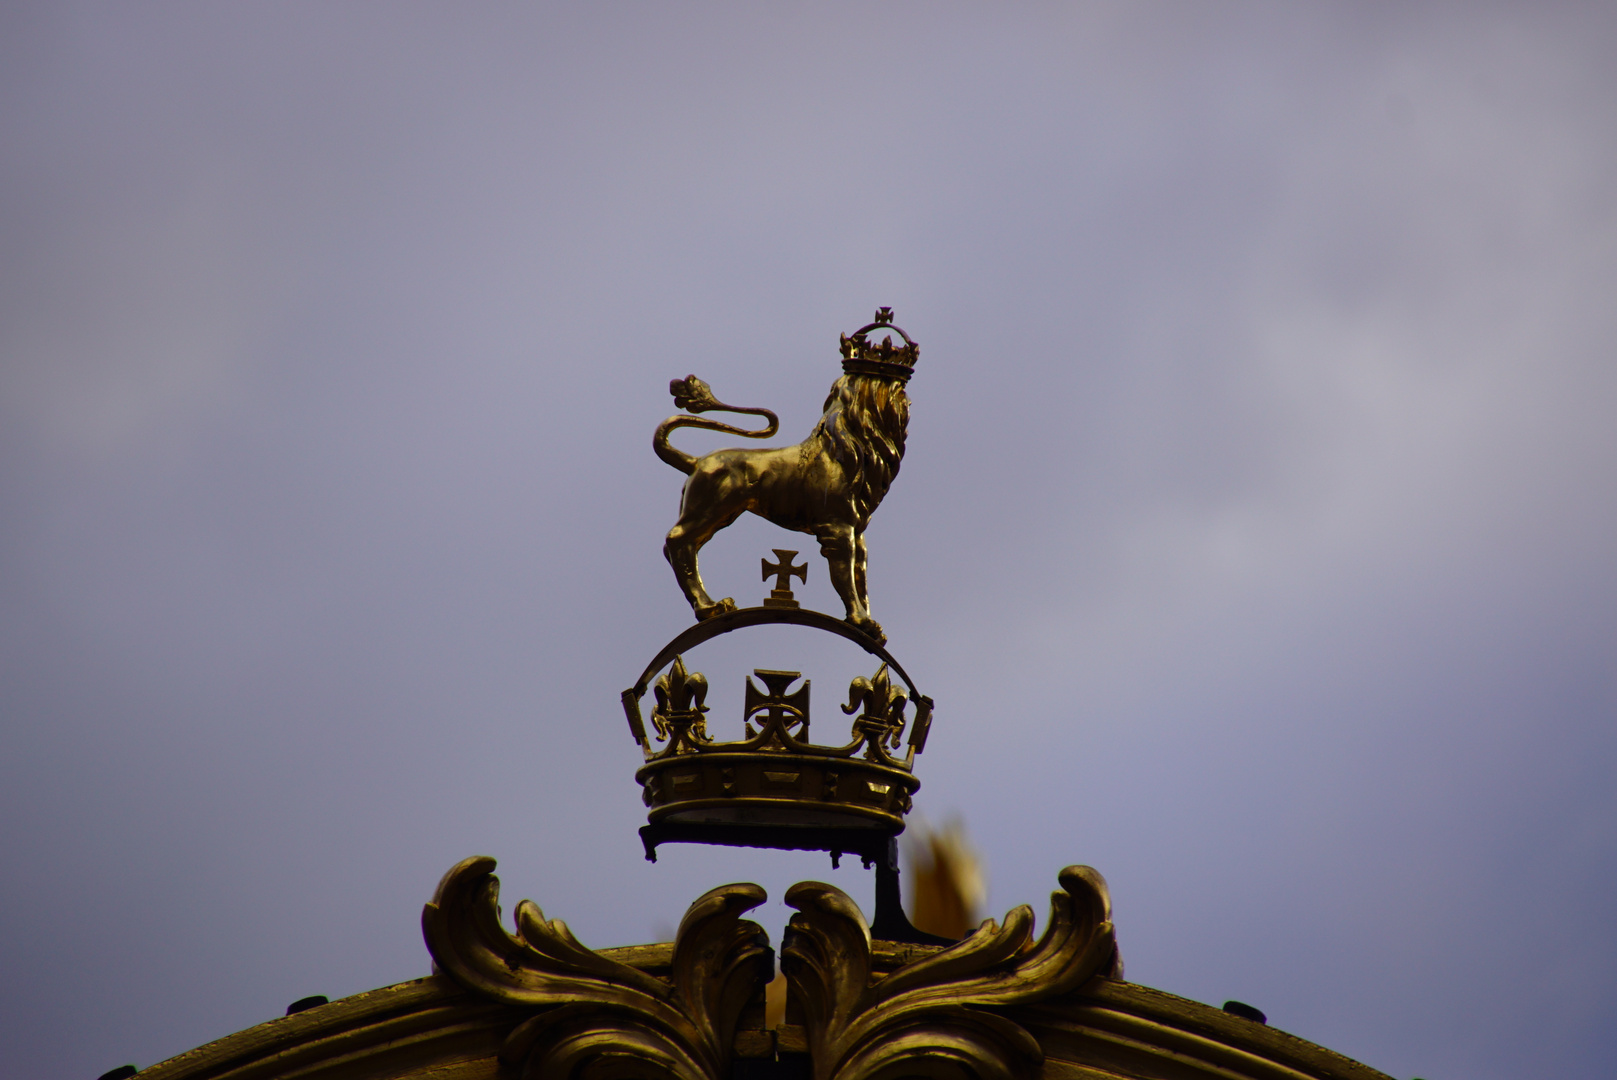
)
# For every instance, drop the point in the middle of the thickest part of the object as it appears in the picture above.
(597, 1017)
(934, 1016)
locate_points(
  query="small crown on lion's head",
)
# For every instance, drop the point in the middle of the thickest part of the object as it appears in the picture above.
(886, 360)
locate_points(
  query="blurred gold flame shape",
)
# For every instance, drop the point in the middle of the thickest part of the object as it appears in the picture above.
(947, 884)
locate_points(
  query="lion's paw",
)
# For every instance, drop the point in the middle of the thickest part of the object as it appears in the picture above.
(715, 609)
(870, 627)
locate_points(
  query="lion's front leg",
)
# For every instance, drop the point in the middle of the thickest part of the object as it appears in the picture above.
(841, 548)
(860, 584)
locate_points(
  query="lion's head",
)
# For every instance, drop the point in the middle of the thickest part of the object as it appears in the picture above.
(865, 417)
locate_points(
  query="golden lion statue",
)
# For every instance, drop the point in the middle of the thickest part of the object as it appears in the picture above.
(828, 485)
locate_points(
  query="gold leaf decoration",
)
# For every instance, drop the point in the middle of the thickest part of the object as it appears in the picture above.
(928, 1018)
(601, 1019)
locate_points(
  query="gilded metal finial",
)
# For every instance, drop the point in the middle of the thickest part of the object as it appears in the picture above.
(783, 571)
(828, 485)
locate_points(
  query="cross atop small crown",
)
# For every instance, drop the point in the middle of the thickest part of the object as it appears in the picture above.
(782, 572)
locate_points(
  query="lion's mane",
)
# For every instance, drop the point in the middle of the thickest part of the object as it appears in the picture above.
(863, 428)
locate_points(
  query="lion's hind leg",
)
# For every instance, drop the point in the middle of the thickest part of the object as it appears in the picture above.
(680, 549)
(704, 510)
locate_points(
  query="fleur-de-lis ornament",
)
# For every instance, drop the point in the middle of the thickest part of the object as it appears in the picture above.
(883, 718)
(680, 708)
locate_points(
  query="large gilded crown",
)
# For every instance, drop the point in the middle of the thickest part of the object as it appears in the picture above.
(774, 786)
(886, 360)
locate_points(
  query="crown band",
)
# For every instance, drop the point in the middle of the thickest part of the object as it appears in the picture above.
(879, 368)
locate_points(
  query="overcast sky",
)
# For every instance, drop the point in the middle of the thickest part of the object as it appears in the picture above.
(1255, 539)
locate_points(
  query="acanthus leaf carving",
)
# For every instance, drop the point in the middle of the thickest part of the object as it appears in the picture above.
(601, 1019)
(928, 1017)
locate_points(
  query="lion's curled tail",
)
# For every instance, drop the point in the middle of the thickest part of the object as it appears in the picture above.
(696, 396)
